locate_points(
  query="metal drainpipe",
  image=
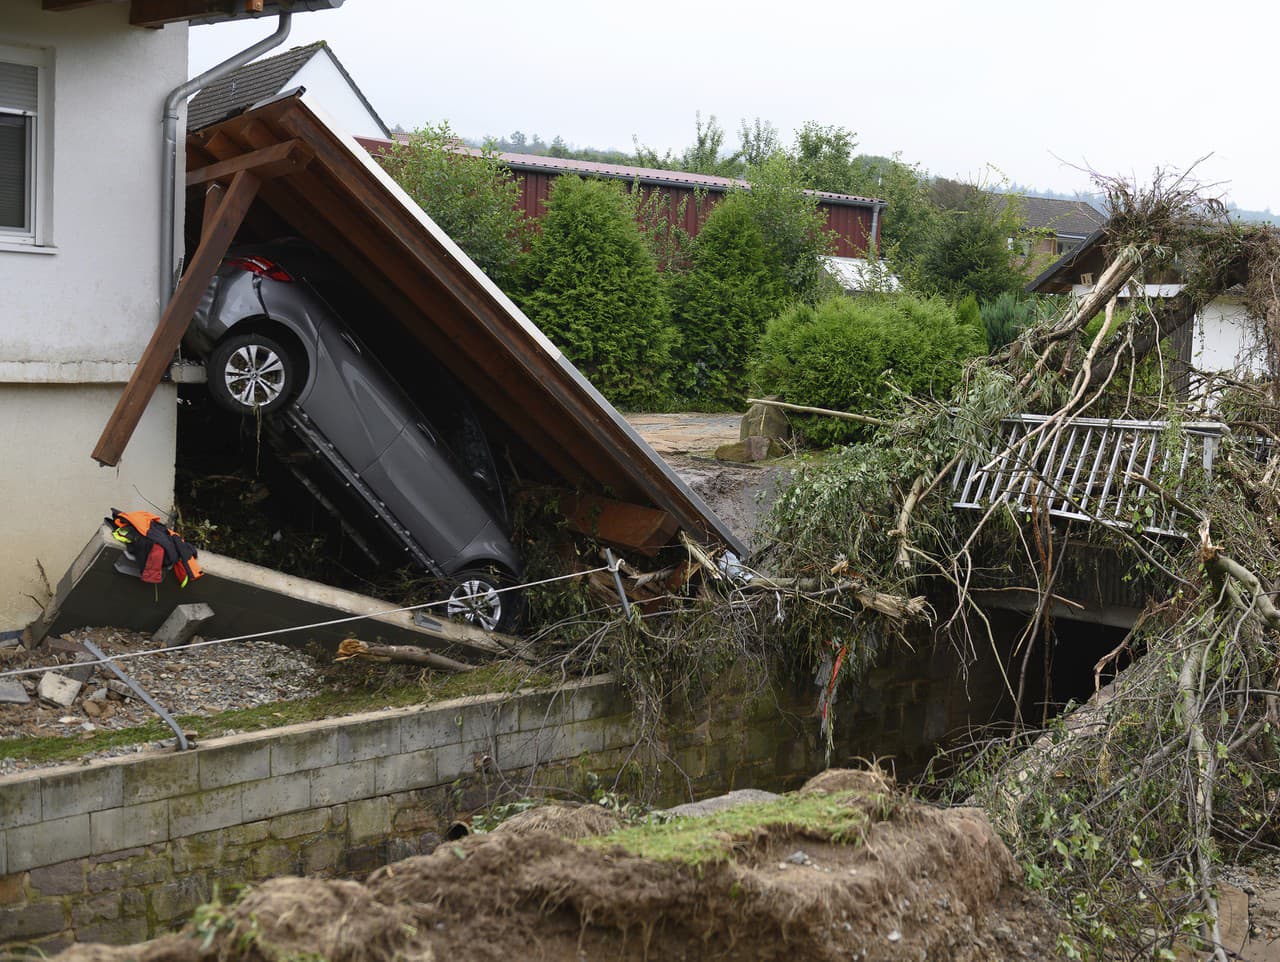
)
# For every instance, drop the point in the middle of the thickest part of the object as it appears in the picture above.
(875, 228)
(169, 161)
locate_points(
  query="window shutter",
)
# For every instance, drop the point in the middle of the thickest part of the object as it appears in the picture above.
(19, 87)
(13, 172)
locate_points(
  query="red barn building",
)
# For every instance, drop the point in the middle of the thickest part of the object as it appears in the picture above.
(853, 220)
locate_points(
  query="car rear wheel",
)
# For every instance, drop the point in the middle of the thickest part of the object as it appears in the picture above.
(251, 373)
(477, 599)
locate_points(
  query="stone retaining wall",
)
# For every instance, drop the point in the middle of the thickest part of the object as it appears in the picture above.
(120, 849)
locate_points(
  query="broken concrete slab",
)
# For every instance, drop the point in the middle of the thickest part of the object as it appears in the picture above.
(183, 622)
(247, 600)
(118, 689)
(83, 669)
(12, 692)
(58, 689)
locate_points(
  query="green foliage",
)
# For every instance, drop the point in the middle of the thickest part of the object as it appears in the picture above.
(968, 253)
(794, 229)
(824, 156)
(592, 285)
(759, 141)
(1005, 318)
(838, 354)
(473, 196)
(910, 218)
(722, 305)
(968, 315)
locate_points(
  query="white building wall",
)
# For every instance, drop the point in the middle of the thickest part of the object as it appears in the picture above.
(327, 86)
(1226, 339)
(76, 316)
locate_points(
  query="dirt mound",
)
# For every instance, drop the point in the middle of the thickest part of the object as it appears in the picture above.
(563, 821)
(910, 882)
(849, 780)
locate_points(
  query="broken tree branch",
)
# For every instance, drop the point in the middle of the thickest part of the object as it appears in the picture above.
(843, 415)
(351, 648)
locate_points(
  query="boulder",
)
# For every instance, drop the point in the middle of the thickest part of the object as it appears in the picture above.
(751, 449)
(765, 421)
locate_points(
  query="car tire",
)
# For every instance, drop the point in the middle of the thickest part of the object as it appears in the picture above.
(476, 598)
(251, 374)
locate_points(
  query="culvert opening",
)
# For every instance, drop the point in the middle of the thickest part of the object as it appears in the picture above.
(1061, 669)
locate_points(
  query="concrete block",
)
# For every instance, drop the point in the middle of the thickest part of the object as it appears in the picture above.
(204, 811)
(430, 729)
(368, 819)
(310, 822)
(183, 622)
(399, 773)
(12, 692)
(129, 826)
(275, 796)
(247, 833)
(230, 764)
(451, 761)
(595, 700)
(159, 776)
(369, 739)
(619, 731)
(542, 709)
(19, 800)
(72, 791)
(342, 783)
(48, 842)
(83, 669)
(304, 750)
(200, 851)
(584, 736)
(96, 908)
(275, 859)
(57, 689)
(123, 931)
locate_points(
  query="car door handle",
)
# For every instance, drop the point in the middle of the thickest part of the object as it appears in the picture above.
(427, 431)
(350, 341)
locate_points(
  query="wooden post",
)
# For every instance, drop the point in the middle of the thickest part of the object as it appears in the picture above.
(212, 201)
(215, 239)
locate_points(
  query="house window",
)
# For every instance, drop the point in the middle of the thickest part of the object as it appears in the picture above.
(23, 151)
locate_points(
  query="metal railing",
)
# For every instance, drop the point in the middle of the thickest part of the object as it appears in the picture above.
(1087, 469)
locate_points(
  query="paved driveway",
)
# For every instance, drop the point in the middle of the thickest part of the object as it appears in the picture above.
(686, 433)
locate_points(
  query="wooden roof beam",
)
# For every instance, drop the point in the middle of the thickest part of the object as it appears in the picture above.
(158, 353)
(59, 6)
(287, 157)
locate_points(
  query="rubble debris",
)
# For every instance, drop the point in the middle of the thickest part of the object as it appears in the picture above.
(12, 692)
(58, 689)
(183, 622)
(83, 668)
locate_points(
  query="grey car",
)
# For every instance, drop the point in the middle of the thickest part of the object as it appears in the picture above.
(275, 347)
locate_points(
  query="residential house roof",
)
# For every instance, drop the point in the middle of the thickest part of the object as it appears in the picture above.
(260, 81)
(1066, 218)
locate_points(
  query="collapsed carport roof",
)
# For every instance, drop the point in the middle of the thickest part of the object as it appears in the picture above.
(330, 191)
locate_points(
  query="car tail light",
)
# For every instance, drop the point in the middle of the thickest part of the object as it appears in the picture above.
(260, 266)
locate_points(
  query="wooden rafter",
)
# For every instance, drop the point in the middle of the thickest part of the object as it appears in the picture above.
(177, 316)
(58, 6)
(283, 158)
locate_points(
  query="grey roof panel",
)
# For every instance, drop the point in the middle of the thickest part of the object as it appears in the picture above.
(1074, 218)
(243, 88)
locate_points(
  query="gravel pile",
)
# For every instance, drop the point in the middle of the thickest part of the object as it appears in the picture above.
(197, 681)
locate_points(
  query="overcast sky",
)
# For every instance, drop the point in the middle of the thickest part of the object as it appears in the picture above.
(1027, 88)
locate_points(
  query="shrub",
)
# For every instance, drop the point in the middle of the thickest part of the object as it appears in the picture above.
(722, 305)
(473, 197)
(794, 229)
(968, 253)
(838, 354)
(592, 286)
(1005, 318)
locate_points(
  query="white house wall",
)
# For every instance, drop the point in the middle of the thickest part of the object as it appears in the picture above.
(77, 315)
(1226, 339)
(331, 90)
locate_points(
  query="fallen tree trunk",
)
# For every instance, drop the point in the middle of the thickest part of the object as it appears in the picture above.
(402, 654)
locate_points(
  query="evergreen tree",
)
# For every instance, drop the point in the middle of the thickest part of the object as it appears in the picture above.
(593, 288)
(722, 305)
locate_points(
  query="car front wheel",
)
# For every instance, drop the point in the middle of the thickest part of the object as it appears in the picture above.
(251, 373)
(476, 599)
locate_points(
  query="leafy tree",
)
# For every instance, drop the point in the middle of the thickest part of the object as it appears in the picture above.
(759, 141)
(910, 217)
(968, 253)
(706, 154)
(592, 286)
(839, 353)
(473, 196)
(794, 228)
(825, 159)
(722, 305)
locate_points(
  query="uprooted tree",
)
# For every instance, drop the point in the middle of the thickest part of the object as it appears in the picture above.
(1121, 812)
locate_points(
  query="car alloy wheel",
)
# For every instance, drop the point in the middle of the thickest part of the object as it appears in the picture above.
(476, 600)
(255, 375)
